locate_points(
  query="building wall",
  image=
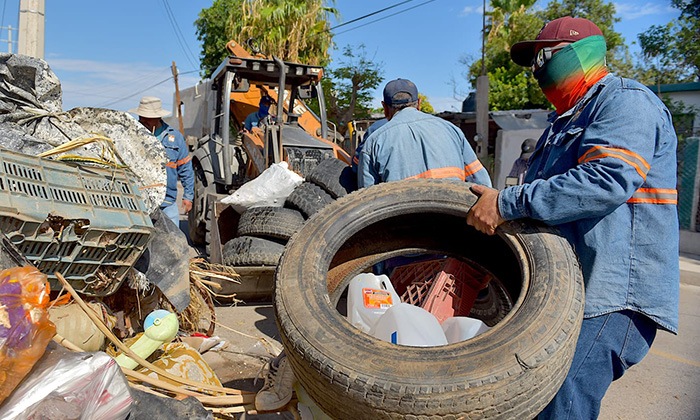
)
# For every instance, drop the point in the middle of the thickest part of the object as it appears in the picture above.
(689, 98)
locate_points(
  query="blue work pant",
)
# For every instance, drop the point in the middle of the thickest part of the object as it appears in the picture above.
(607, 346)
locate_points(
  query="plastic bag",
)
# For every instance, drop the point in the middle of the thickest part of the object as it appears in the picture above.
(270, 188)
(70, 386)
(25, 329)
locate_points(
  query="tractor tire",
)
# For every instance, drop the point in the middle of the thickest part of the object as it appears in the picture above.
(308, 198)
(270, 222)
(509, 372)
(247, 251)
(197, 227)
(335, 177)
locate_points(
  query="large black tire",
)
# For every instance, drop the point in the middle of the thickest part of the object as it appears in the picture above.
(335, 177)
(509, 372)
(308, 198)
(198, 216)
(251, 251)
(270, 222)
(492, 304)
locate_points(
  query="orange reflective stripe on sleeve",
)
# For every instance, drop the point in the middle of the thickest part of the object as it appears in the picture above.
(473, 168)
(631, 158)
(654, 196)
(183, 161)
(449, 172)
(179, 162)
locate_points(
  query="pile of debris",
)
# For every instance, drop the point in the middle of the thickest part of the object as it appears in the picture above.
(80, 192)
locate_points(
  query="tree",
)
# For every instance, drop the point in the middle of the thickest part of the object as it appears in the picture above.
(348, 86)
(293, 30)
(674, 49)
(510, 21)
(213, 31)
(425, 106)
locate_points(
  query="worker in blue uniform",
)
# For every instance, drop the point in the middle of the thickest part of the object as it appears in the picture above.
(179, 165)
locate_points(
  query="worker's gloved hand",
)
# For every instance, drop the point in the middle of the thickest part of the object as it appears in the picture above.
(484, 215)
(186, 206)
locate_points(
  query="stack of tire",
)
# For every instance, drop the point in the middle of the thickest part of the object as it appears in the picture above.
(263, 232)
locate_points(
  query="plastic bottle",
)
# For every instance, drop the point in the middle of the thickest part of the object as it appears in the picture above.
(409, 325)
(160, 326)
(369, 296)
(460, 328)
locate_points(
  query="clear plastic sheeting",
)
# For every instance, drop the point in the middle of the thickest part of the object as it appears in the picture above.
(70, 386)
(32, 121)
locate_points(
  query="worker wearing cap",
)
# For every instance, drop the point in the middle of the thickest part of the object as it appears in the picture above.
(179, 163)
(604, 173)
(413, 144)
(253, 119)
(520, 165)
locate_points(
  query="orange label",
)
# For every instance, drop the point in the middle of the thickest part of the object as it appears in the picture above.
(376, 299)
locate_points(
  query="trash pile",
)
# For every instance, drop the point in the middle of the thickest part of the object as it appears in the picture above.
(102, 313)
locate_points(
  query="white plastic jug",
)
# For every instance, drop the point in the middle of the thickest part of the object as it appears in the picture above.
(409, 325)
(369, 296)
(460, 328)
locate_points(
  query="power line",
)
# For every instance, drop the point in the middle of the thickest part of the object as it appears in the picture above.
(2, 21)
(142, 90)
(370, 14)
(178, 34)
(386, 17)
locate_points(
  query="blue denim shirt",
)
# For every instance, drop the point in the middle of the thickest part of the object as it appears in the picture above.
(179, 165)
(371, 129)
(418, 145)
(604, 173)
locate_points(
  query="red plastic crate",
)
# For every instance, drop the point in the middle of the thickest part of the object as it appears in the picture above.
(445, 287)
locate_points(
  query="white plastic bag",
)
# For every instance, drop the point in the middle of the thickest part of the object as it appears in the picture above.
(70, 386)
(270, 188)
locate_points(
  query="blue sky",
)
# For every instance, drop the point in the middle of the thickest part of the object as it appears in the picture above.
(110, 53)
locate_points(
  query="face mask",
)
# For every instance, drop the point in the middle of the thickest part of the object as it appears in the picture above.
(264, 109)
(571, 71)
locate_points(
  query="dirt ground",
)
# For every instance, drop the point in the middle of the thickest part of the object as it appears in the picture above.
(252, 335)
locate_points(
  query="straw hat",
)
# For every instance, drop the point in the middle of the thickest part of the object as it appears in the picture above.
(150, 107)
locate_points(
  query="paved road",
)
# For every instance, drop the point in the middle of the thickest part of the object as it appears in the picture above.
(665, 385)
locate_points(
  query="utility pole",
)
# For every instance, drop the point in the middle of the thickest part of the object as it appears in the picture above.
(9, 39)
(177, 97)
(31, 28)
(482, 98)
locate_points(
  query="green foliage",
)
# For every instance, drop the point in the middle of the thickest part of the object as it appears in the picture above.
(348, 86)
(510, 21)
(507, 91)
(425, 106)
(293, 30)
(213, 31)
(672, 51)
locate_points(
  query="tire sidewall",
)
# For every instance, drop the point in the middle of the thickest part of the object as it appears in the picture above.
(324, 348)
